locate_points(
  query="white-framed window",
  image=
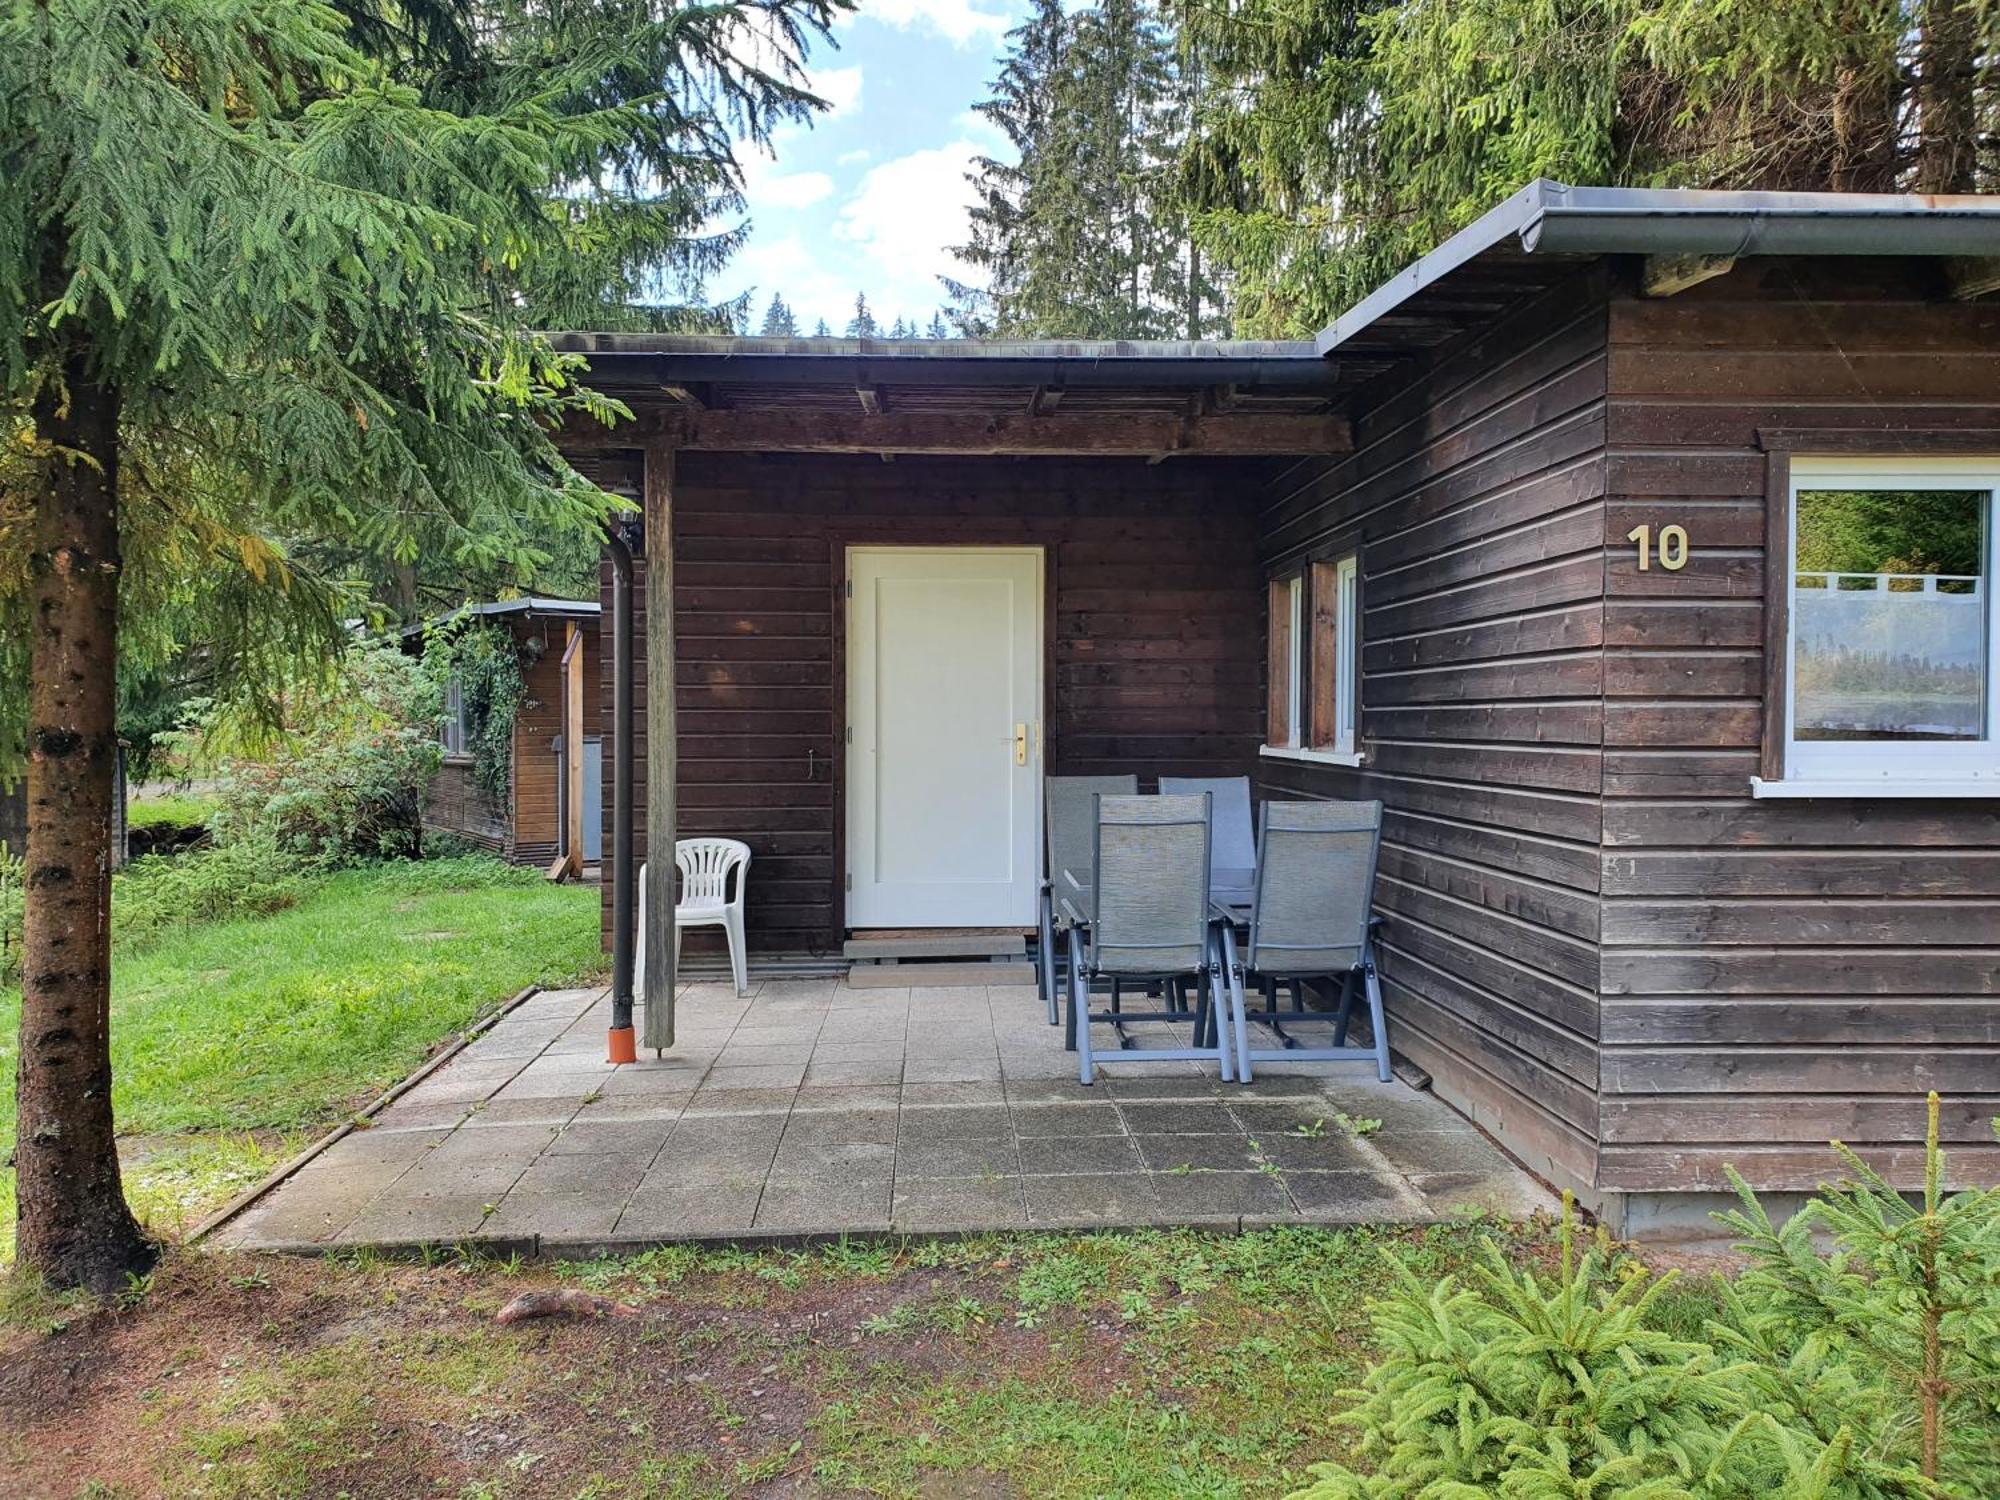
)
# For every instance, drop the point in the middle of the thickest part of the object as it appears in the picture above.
(1315, 663)
(1891, 640)
(1285, 664)
(1338, 640)
(455, 729)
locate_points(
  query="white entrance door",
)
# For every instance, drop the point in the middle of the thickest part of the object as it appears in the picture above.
(944, 701)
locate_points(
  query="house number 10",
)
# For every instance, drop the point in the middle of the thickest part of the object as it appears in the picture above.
(1673, 547)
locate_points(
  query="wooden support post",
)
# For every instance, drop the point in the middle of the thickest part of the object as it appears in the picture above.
(662, 748)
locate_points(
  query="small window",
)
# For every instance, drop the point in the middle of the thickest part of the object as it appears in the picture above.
(454, 730)
(1891, 634)
(1315, 660)
(1286, 674)
(1336, 654)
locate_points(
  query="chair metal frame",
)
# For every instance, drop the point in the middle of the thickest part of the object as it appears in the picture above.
(1090, 938)
(1057, 790)
(1239, 969)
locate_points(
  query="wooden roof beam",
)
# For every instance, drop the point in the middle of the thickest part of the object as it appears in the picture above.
(1110, 435)
(1664, 275)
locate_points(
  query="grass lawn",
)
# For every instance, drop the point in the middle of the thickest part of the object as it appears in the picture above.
(170, 810)
(233, 1042)
(1144, 1365)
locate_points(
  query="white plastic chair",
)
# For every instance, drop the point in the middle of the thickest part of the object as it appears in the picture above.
(705, 865)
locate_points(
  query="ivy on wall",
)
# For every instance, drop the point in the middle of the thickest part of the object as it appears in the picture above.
(485, 662)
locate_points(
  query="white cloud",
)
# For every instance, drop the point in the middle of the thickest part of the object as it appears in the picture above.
(839, 87)
(903, 221)
(961, 22)
(765, 187)
(852, 158)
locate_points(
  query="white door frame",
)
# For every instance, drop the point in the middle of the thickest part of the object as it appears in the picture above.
(855, 750)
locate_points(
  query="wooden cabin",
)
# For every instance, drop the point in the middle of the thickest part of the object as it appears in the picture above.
(1588, 545)
(556, 756)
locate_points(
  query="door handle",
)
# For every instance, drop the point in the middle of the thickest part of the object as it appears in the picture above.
(1020, 744)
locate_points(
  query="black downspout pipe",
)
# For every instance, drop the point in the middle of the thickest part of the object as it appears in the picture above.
(624, 901)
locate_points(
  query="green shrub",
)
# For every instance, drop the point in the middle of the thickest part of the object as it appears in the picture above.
(1894, 1334)
(12, 902)
(251, 876)
(1865, 1373)
(177, 810)
(485, 661)
(345, 779)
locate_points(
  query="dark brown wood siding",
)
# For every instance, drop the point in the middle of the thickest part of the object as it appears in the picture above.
(1775, 973)
(536, 832)
(1153, 659)
(1474, 497)
(458, 805)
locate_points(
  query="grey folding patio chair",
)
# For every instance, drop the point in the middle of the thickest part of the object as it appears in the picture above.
(1148, 922)
(1311, 918)
(1068, 807)
(1232, 850)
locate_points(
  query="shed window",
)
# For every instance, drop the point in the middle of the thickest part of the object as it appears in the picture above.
(455, 729)
(1891, 635)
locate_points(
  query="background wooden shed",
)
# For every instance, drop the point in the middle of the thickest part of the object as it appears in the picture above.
(1603, 943)
(558, 644)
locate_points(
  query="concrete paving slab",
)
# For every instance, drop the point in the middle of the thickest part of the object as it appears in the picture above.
(1210, 1153)
(949, 1205)
(956, 1123)
(813, 1109)
(1176, 1117)
(807, 1205)
(1202, 1195)
(974, 1158)
(618, 1137)
(1120, 1198)
(1063, 1118)
(1081, 1153)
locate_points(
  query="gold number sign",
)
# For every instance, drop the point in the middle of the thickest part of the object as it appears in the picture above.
(1673, 547)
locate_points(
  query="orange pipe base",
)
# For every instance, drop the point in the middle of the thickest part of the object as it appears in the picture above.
(624, 1045)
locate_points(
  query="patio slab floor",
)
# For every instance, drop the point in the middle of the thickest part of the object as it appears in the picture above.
(811, 1110)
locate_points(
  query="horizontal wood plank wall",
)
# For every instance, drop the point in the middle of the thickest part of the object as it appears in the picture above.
(1474, 496)
(1154, 662)
(536, 833)
(458, 805)
(536, 726)
(1775, 973)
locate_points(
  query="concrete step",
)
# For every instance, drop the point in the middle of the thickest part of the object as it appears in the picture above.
(898, 976)
(939, 943)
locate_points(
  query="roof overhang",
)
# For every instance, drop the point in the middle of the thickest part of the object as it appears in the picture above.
(647, 359)
(1552, 219)
(567, 609)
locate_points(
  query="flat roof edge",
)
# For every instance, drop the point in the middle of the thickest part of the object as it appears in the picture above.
(1553, 218)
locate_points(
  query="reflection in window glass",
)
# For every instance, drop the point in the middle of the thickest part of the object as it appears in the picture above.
(1889, 615)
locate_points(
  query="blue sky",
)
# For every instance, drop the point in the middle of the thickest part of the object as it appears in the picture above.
(872, 195)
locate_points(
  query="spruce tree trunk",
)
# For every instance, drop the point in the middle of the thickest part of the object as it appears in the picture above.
(74, 1227)
(1947, 133)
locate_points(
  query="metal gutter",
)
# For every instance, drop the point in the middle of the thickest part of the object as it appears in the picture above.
(618, 360)
(1552, 218)
(624, 875)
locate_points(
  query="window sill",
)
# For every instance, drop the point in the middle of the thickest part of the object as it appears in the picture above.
(1316, 757)
(1901, 787)
(458, 757)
